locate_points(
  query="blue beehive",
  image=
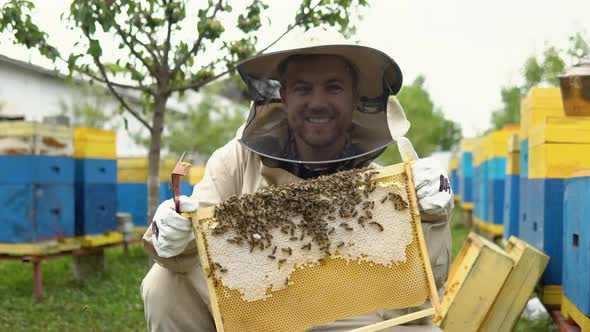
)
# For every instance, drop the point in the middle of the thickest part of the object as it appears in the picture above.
(132, 199)
(36, 197)
(96, 208)
(523, 187)
(576, 241)
(511, 188)
(96, 171)
(496, 182)
(95, 181)
(23, 169)
(466, 179)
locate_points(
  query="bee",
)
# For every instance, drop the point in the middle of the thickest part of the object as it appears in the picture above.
(343, 224)
(302, 236)
(218, 265)
(307, 246)
(340, 245)
(331, 218)
(398, 201)
(384, 199)
(293, 238)
(223, 270)
(331, 230)
(274, 250)
(271, 256)
(287, 250)
(378, 225)
(287, 282)
(348, 228)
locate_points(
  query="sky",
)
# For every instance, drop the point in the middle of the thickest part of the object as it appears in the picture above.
(466, 50)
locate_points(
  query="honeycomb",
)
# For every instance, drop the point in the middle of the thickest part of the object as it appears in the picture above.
(366, 272)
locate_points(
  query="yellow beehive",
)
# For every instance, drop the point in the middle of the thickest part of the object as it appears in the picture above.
(538, 104)
(94, 143)
(479, 152)
(325, 289)
(32, 138)
(476, 277)
(513, 157)
(495, 142)
(529, 264)
(135, 170)
(467, 144)
(559, 146)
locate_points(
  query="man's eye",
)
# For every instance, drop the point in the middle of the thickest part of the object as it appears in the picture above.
(301, 89)
(334, 88)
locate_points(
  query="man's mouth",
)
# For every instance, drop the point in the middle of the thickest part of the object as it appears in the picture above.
(318, 119)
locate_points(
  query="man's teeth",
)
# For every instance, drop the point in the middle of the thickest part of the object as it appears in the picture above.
(318, 120)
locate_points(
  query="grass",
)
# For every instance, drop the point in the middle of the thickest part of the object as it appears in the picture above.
(110, 300)
(106, 301)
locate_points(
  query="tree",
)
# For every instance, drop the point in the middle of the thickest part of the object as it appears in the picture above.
(535, 72)
(159, 63)
(90, 108)
(430, 130)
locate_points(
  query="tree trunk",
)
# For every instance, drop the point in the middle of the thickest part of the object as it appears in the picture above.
(154, 155)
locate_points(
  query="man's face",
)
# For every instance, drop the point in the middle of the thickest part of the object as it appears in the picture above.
(319, 99)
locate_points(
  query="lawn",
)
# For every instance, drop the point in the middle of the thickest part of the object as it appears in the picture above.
(106, 301)
(110, 300)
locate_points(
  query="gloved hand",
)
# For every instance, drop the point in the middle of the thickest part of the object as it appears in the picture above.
(433, 190)
(171, 231)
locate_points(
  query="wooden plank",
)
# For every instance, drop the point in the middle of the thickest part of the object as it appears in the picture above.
(551, 296)
(39, 248)
(414, 201)
(569, 311)
(481, 269)
(396, 321)
(512, 299)
(91, 241)
(207, 268)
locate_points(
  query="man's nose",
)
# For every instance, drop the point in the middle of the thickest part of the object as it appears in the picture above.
(318, 100)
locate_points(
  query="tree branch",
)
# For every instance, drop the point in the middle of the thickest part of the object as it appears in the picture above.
(199, 84)
(127, 35)
(196, 45)
(116, 94)
(115, 84)
(168, 35)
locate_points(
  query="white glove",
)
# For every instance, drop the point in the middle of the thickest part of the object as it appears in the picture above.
(435, 196)
(171, 231)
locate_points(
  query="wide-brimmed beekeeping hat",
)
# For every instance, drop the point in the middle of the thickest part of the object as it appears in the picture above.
(378, 117)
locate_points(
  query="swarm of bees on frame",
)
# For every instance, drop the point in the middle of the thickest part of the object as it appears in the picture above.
(314, 202)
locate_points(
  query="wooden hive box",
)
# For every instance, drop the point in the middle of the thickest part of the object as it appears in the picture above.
(308, 270)
(475, 279)
(529, 264)
(32, 138)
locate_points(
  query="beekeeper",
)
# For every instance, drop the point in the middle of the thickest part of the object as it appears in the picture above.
(315, 110)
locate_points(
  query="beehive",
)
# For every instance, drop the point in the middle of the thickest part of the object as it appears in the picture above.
(496, 158)
(370, 266)
(512, 188)
(95, 143)
(466, 174)
(454, 176)
(475, 279)
(558, 147)
(32, 138)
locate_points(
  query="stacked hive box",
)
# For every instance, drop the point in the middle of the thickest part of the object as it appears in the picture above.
(454, 176)
(480, 180)
(36, 182)
(511, 189)
(466, 174)
(558, 147)
(576, 248)
(95, 154)
(538, 104)
(132, 190)
(495, 158)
